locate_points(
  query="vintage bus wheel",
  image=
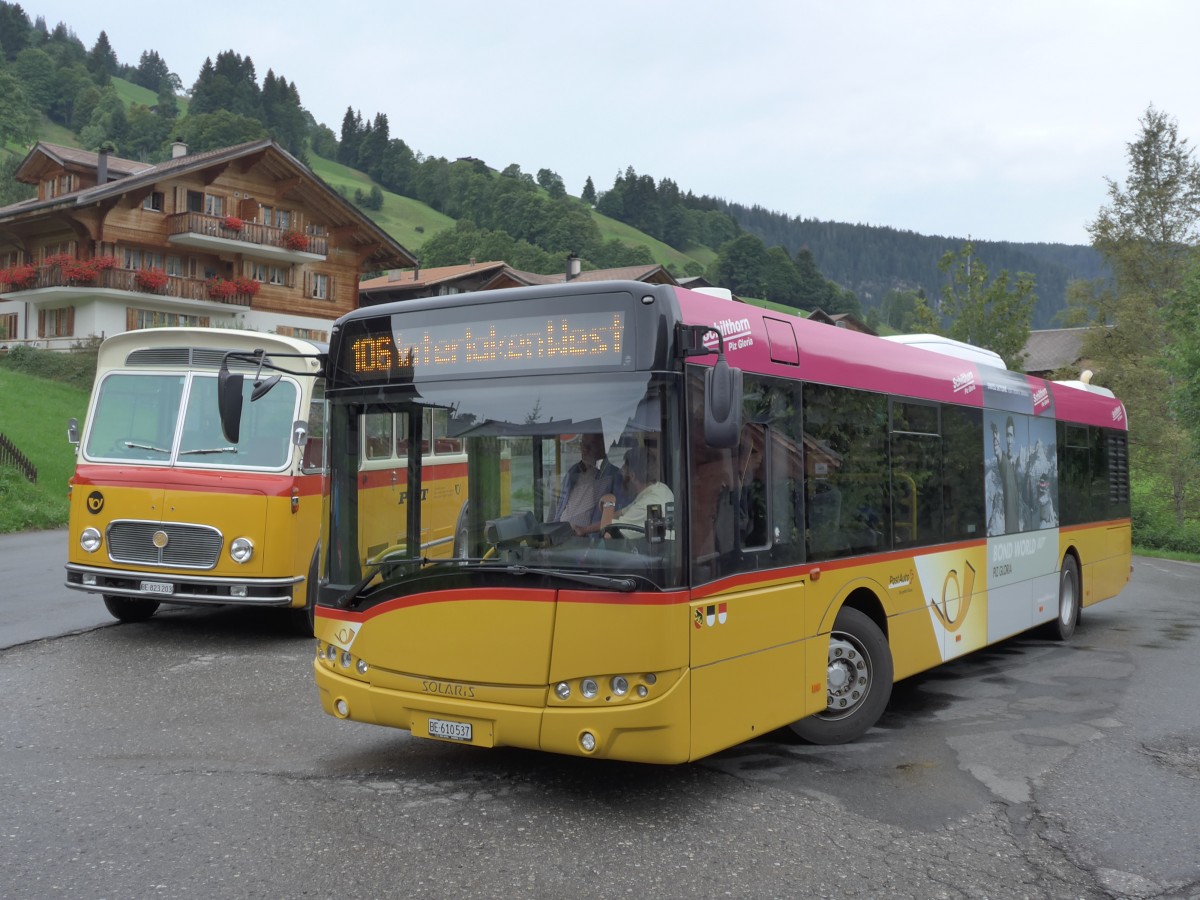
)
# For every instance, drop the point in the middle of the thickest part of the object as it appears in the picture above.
(129, 609)
(1064, 623)
(859, 681)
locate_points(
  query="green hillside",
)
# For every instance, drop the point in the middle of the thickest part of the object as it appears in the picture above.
(38, 428)
(409, 221)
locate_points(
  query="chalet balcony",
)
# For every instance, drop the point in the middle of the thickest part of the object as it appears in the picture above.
(229, 233)
(57, 282)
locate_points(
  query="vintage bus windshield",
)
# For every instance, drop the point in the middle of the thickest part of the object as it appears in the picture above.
(171, 418)
(530, 502)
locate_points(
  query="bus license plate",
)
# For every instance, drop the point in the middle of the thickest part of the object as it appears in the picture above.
(449, 731)
(157, 587)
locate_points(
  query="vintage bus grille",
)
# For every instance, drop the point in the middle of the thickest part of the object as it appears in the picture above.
(185, 546)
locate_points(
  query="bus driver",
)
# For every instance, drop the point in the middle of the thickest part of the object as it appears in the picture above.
(640, 471)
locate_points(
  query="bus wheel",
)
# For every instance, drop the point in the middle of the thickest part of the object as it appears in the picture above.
(858, 681)
(1064, 623)
(129, 609)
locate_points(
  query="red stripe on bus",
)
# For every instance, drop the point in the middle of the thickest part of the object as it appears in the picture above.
(197, 481)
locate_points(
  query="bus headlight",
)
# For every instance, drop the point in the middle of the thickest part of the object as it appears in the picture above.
(620, 685)
(241, 550)
(90, 540)
(589, 688)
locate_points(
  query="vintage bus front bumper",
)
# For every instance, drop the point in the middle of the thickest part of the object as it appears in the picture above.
(651, 732)
(184, 589)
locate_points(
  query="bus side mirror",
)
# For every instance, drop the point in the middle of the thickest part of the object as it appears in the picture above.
(229, 402)
(73, 430)
(722, 405)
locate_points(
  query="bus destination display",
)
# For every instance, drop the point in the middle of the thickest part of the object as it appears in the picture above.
(557, 341)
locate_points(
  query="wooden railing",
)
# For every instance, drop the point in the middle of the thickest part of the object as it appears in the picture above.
(249, 232)
(11, 456)
(127, 280)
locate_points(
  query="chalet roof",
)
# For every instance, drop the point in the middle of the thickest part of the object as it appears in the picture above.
(651, 274)
(845, 320)
(417, 278)
(1051, 349)
(73, 158)
(280, 163)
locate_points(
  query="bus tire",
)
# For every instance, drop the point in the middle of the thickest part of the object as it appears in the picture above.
(1069, 600)
(858, 685)
(302, 619)
(129, 609)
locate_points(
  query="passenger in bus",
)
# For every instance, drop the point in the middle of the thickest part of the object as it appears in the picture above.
(640, 471)
(585, 483)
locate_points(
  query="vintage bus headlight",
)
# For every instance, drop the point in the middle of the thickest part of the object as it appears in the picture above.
(620, 685)
(241, 550)
(90, 540)
(589, 688)
(562, 690)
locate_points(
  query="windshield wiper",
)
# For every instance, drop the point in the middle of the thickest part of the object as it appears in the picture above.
(209, 450)
(344, 601)
(624, 585)
(134, 445)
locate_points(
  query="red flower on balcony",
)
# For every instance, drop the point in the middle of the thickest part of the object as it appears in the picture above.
(232, 223)
(221, 288)
(295, 240)
(19, 277)
(245, 286)
(151, 280)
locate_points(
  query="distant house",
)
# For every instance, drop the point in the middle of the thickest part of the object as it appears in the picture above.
(1050, 350)
(243, 237)
(841, 320)
(489, 276)
(411, 284)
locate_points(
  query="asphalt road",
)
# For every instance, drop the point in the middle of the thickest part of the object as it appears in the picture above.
(188, 757)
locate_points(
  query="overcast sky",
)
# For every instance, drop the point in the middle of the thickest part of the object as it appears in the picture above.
(995, 120)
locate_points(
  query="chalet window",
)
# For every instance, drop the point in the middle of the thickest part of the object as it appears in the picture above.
(283, 218)
(56, 322)
(154, 201)
(320, 286)
(8, 326)
(152, 318)
(276, 275)
(174, 266)
(195, 201)
(133, 258)
(258, 271)
(214, 205)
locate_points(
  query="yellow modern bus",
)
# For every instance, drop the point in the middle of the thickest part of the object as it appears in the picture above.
(805, 514)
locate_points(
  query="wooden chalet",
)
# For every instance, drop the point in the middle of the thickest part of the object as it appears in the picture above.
(489, 276)
(244, 237)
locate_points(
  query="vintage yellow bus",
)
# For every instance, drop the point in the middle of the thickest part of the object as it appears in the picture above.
(165, 509)
(806, 514)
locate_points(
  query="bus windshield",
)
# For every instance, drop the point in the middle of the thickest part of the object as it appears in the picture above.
(171, 419)
(569, 481)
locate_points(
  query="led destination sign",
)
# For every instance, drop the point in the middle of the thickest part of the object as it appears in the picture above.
(557, 341)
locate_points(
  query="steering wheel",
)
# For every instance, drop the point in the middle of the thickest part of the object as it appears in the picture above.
(614, 529)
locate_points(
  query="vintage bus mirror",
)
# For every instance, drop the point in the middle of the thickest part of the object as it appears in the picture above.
(722, 404)
(229, 402)
(261, 387)
(73, 430)
(299, 432)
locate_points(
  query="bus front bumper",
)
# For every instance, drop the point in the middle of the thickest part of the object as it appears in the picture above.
(651, 732)
(184, 589)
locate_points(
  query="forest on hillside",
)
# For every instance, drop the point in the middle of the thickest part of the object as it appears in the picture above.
(528, 219)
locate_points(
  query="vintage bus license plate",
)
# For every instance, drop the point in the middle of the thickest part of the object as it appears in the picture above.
(449, 731)
(158, 587)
